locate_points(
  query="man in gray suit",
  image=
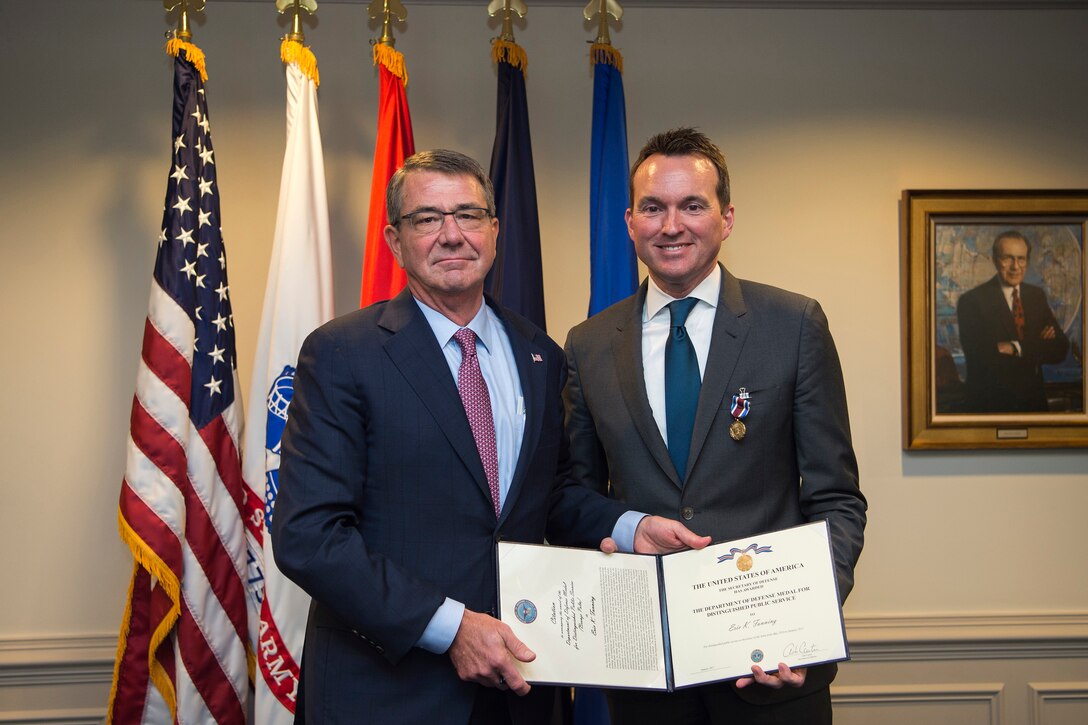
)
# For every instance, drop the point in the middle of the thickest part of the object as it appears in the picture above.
(716, 401)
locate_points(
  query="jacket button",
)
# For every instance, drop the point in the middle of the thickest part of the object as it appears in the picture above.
(688, 513)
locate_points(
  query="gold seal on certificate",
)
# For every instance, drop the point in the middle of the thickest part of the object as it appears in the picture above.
(737, 430)
(744, 562)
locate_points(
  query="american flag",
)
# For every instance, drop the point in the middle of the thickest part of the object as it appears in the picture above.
(183, 654)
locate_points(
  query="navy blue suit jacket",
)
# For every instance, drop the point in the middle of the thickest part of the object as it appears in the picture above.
(384, 508)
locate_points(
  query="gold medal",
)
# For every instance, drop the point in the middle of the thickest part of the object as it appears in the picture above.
(744, 562)
(737, 429)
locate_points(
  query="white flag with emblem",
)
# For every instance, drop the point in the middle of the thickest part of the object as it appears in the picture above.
(298, 298)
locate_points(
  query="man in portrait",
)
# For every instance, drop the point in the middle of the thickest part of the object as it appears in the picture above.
(1008, 332)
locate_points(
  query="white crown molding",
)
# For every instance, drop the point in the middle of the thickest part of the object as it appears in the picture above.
(957, 637)
(89, 658)
(863, 698)
(72, 716)
(63, 660)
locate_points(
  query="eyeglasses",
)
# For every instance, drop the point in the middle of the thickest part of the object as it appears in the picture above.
(1009, 260)
(429, 221)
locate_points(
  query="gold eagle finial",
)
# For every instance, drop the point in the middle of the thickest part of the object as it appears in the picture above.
(603, 8)
(310, 6)
(386, 10)
(182, 32)
(508, 8)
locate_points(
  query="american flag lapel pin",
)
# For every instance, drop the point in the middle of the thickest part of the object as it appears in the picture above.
(537, 358)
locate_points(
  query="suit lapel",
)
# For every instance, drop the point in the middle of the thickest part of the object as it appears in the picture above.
(415, 352)
(533, 372)
(627, 355)
(727, 340)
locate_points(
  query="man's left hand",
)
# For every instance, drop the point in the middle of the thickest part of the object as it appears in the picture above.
(785, 676)
(659, 535)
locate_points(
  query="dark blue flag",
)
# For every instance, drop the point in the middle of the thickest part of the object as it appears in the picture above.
(516, 279)
(613, 270)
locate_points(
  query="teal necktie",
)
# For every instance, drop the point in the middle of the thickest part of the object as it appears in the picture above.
(682, 385)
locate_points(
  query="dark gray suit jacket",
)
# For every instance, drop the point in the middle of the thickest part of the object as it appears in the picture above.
(999, 383)
(384, 508)
(796, 464)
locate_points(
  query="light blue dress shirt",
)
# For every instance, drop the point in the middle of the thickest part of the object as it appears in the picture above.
(508, 410)
(500, 372)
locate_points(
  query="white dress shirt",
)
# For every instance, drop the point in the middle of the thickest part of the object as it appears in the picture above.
(656, 322)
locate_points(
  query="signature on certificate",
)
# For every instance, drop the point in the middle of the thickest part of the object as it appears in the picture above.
(802, 648)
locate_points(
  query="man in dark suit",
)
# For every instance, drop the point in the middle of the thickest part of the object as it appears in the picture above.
(763, 442)
(422, 431)
(1007, 331)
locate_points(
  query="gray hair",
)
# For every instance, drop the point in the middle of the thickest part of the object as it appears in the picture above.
(443, 161)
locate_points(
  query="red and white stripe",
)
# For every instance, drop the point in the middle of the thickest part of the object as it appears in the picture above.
(181, 509)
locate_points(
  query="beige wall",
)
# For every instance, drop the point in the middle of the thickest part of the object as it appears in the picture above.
(825, 117)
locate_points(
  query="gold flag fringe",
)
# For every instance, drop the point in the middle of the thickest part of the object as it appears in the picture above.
(122, 643)
(292, 51)
(193, 53)
(392, 59)
(604, 53)
(146, 557)
(505, 51)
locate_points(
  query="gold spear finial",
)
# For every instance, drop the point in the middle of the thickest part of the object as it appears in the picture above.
(603, 8)
(182, 32)
(508, 8)
(310, 6)
(387, 10)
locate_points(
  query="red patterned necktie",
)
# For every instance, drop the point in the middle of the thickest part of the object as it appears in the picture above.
(1018, 314)
(477, 402)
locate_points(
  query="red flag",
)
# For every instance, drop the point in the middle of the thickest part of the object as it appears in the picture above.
(382, 276)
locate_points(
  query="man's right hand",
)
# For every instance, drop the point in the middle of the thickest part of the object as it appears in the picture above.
(484, 650)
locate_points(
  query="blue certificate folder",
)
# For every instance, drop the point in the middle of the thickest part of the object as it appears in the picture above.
(676, 620)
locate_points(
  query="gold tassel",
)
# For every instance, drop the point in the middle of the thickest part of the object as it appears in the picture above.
(148, 559)
(392, 59)
(292, 51)
(193, 53)
(605, 53)
(505, 51)
(122, 642)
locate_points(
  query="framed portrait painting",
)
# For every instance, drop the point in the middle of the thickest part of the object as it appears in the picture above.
(993, 319)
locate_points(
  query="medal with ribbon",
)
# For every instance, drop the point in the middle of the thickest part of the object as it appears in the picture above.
(740, 408)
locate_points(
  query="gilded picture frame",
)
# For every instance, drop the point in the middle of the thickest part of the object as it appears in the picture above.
(993, 319)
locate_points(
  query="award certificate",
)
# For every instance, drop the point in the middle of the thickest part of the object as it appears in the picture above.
(673, 621)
